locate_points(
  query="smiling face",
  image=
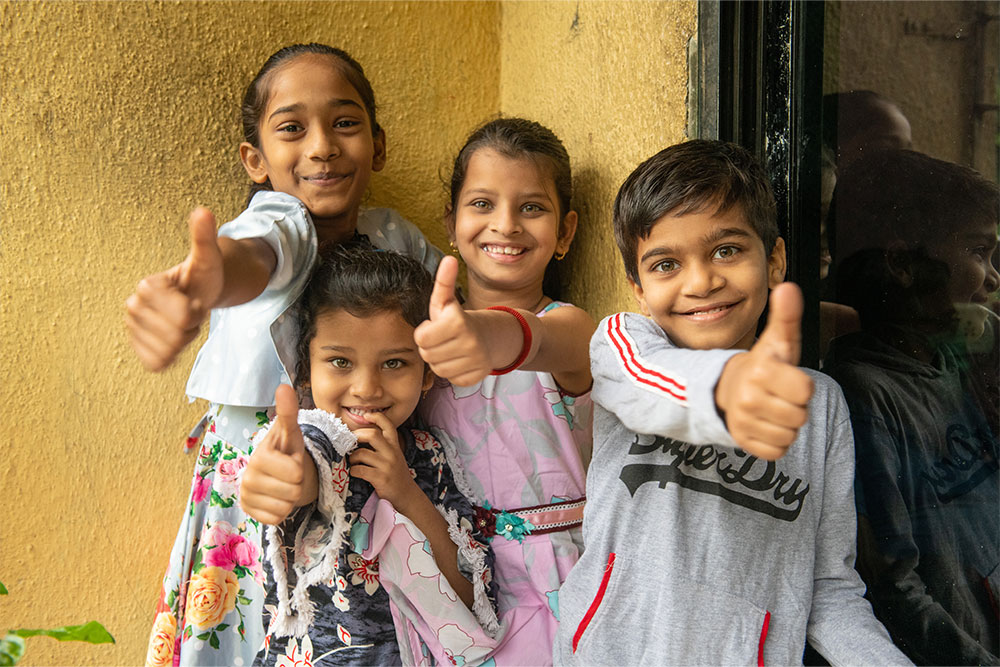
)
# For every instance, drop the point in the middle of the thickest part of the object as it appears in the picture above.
(704, 278)
(506, 224)
(360, 365)
(316, 143)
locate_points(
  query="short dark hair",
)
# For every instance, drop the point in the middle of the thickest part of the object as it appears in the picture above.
(907, 200)
(259, 91)
(688, 178)
(361, 281)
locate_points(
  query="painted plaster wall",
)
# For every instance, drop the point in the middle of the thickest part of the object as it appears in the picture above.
(610, 79)
(117, 118)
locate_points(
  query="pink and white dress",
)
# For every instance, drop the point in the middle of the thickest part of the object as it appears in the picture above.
(515, 444)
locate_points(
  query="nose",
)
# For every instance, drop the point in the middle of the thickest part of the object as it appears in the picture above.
(505, 221)
(366, 384)
(322, 144)
(702, 279)
(992, 282)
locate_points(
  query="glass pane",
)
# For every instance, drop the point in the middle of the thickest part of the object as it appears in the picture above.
(910, 309)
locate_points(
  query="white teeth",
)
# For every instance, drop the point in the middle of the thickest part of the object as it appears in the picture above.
(361, 411)
(709, 312)
(502, 250)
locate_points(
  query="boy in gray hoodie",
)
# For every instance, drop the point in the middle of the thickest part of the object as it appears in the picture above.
(720, 520)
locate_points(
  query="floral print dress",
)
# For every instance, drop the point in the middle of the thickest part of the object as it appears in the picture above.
(355, 582)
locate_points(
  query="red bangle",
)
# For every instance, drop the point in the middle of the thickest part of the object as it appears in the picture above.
(525, 340)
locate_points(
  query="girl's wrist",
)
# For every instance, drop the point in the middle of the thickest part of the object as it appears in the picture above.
(527, 339)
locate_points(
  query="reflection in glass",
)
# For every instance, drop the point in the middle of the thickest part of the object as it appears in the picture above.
(916, 239)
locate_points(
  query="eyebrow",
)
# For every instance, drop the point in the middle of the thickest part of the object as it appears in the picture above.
(710, 238)
(298, 106)
(346, 348)
(523, 195)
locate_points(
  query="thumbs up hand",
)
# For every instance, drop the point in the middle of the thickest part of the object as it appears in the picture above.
(167, 309)
(281, 475)
(452, 341)
(762, 394)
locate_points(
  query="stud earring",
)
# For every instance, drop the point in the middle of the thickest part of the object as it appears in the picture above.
(454, 248)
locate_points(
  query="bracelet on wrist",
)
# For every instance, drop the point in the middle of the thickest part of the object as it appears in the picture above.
(525, 341)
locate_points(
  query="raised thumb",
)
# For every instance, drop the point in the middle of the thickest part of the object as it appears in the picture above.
(782, 337)
(444, 286)
(286, 421)
(204, 239)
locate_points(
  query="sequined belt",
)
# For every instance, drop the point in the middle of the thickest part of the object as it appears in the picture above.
(538, 520)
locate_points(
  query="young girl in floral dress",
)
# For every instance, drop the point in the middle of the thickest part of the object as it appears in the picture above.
(311, 144)
(517, 405)
(375, 553)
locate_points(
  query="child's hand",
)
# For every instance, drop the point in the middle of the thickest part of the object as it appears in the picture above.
(762, 394)
(452, 341)
(384, 466)
(280, 475)
(167, 309)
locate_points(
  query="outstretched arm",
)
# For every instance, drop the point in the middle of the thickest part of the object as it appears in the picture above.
(167, 309)
(464, 346)
(755, 400)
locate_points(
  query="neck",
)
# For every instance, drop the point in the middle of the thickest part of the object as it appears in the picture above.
(530, 298)
(336, 229)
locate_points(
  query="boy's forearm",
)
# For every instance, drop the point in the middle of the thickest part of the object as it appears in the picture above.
(247, 267)
(426, 517)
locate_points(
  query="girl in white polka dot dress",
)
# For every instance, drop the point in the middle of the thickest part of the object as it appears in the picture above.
(312, 143)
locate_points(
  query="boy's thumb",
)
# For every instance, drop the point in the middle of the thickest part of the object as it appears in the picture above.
(286, 408)
(782, 337)
(444, 286)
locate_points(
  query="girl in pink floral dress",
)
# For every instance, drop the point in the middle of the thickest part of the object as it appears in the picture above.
(516, 401)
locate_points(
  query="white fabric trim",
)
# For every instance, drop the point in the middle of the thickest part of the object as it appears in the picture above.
(481, 605)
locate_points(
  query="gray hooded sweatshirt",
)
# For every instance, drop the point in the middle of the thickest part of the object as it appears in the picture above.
(696, 552)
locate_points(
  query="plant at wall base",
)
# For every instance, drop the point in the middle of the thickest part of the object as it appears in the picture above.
(12, 645)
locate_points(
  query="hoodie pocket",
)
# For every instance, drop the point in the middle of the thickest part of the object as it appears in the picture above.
(642, 617)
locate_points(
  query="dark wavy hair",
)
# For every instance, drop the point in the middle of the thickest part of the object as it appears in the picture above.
(362, 281)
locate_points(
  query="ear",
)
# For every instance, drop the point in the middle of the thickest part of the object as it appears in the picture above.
(449, 221)
(428, 378)
(776, 264)
(567, 230)
(897, 258)
(254, 162)
(640, 297)
(378, 159)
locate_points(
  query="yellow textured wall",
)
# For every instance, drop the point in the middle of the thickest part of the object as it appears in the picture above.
(610, 78)
(118, 118)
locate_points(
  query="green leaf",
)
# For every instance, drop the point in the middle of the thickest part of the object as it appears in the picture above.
(3, 589)
(203, 636)
(240, 571)
(213, 641)
(92, 633)
(243, 600)
(262, 418)
(221, 626)
(11, 650)
(171, 598)
(219, 501)
(187, 633)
